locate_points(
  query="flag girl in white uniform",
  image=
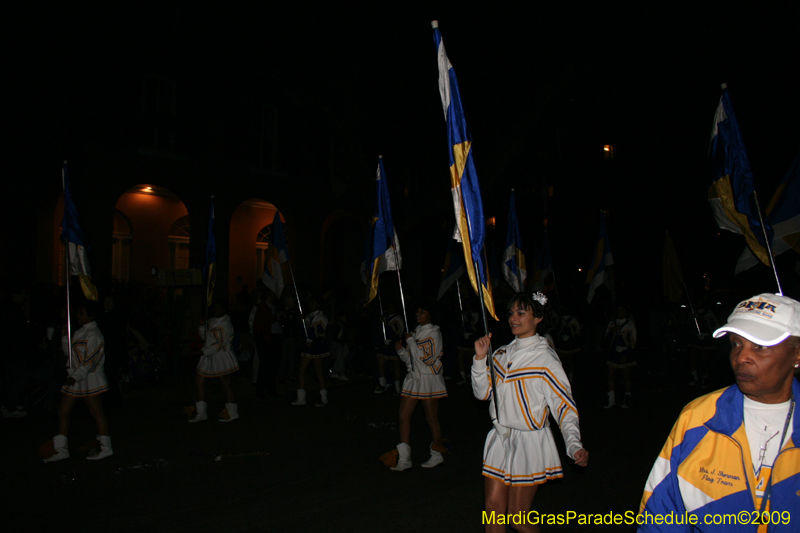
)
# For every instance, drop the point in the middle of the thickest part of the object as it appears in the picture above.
(218, 361)
(530, 383)
(424, 381)
(87, 380)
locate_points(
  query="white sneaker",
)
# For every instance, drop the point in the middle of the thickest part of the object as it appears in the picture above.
(323, 398)
(435, 460)
(202, 412)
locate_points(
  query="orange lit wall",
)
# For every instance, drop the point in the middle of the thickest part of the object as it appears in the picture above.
(151, 217)
(246, 222)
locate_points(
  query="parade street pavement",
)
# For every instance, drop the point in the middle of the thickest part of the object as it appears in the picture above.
(285, 468)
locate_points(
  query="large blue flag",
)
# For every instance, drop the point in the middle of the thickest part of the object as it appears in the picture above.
(277, 254)
(470, 222)
(731, 192)
(209, 271)
(783, 215)
(513, 258)
(382, 251)
(600, 271)
(72, 235)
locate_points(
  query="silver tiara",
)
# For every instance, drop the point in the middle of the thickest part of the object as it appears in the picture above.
(539, 297)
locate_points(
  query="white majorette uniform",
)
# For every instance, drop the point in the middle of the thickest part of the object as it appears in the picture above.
(531, 384)
(88, 357)
(218, 357)
(316, 324)
(423, 359)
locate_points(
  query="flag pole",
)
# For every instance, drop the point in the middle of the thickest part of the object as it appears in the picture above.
(400, 283)
(66, 265)
(461, 307)
(380, 308)
(691, 308)
(769, 246)
(486, 333)
(297, 294)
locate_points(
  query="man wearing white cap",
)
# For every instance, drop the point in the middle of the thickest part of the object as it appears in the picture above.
(732, 460)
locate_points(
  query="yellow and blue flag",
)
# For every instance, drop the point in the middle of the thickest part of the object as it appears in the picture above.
(72, 235)
(783, 215)
(209, 271)
(731, 192)
(382, 250)
(470, 223)
(513, 258)
(600, 271)
(277, 254)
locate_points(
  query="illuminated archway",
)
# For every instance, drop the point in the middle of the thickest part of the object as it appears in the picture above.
(249, 241)
(159, 231)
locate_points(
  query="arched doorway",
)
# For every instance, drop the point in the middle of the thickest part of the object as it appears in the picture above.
(249, 241)
(158, 232)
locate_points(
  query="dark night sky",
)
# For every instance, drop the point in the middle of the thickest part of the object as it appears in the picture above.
(544, 87)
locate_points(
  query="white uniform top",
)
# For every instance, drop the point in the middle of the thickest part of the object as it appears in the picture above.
(531, 384)
(220, 335)
(88, 358)
(424, 352)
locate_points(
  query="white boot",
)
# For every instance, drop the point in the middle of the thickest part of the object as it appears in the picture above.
(60, 446)
(105, 448)
(202, 412)
(611, 402)
(403, 457)
(436, 459)
(232, 412)
(323, 398)
(301, 397)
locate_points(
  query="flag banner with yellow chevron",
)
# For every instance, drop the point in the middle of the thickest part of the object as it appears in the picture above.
(513, 258)
(731, 192)
(72, 235)
(382, 250)
(466, 192)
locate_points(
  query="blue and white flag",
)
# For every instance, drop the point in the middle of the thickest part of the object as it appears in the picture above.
(470, 222)
(382, 250)
(600, 271)
(277, 254)
(513, 258)
(731, 192)
(783, 215)
(72, 235)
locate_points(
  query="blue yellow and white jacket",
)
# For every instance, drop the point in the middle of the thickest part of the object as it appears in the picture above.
(705, 468)
(531, 384)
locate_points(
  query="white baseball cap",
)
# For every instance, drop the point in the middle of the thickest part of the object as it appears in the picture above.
(767, 319)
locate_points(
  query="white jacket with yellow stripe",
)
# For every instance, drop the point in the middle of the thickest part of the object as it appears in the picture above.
(705, 469)
(531, 383)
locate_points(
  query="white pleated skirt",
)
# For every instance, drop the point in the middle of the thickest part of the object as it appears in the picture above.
(524, 458)
(424, 386)
(95, 383)
(217, 364)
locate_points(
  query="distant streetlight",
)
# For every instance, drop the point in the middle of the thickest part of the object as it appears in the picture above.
(608, 151)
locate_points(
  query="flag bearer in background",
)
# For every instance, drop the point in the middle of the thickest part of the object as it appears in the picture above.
(316, 349)
(424, 382)
(218, 361)
(86, 380)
